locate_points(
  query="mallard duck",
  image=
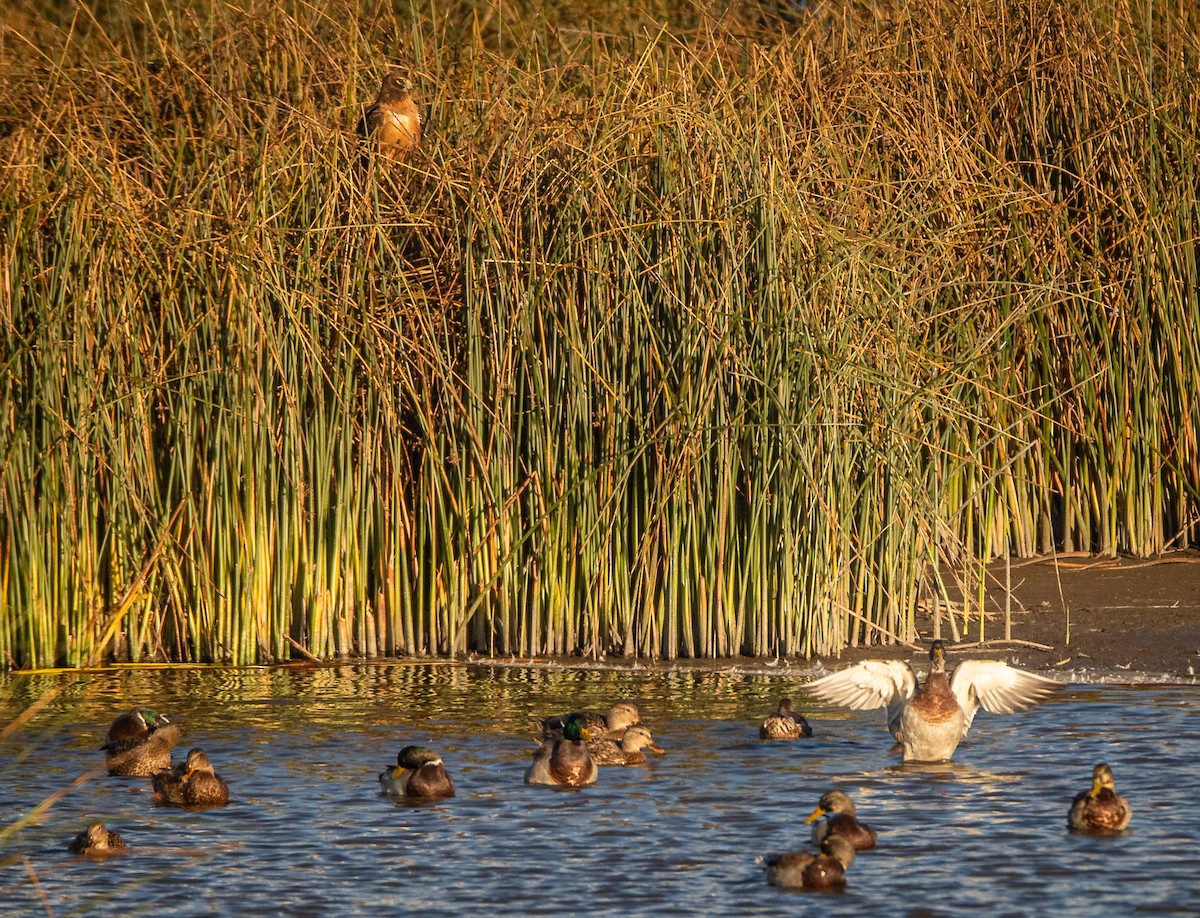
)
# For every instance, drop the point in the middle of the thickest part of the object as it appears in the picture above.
(930, 721)
(620, 716)
(194, 783)
(139, 743)
(564, 761)
(626, 752)
(418, 772)
(784, 724)
(835, 815)
(97, 838)
(800, 870)
(1100, 810)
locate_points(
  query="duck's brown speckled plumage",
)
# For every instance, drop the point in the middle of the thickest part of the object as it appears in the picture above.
(1100, 810)
(626, 752)
(194, 783)
(96, 839)
(612, 725)
(785, 723)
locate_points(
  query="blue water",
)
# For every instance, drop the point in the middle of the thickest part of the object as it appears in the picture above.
(308, 833)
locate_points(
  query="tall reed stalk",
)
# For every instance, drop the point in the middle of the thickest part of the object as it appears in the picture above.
(690, 332)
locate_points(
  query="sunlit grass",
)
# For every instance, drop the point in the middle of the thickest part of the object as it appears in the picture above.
(693, 332)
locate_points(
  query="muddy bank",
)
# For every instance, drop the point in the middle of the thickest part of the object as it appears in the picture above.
(1086, 613)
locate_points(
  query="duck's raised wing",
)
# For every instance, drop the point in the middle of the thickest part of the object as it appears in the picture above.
(868, 685)
(998, 687)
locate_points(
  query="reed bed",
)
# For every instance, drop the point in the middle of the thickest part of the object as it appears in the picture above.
(692, 331)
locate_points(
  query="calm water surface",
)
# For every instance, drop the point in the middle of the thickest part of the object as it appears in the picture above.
(308, 833)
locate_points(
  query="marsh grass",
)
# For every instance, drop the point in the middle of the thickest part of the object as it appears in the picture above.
(692, 331)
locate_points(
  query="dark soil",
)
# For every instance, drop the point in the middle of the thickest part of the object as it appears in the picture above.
(1085, 612)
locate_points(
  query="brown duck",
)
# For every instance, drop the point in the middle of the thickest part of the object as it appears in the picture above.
(96, 839)
(139, 743)
(784, 724)
(801, 870)
(565, 761)
(620, 717)
(418, 772)
(194, 783)
(1100, 810)
(835, 815)
(628, 751)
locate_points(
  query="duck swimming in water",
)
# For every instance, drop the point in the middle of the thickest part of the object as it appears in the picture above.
(1100, 810)
(97, 838)
(835, 815)
(194, 783)
(139, 743)
(929, 721)
(564, 761)
(801, 870)
(418, 772)
(620, 716)
(626, 752)
(784, 724)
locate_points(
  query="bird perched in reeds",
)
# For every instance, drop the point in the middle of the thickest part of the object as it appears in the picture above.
(929, 722)
(620, 717)
(565, 761)
(139, 743)
(784, 724)
(418, 772)
(627, 750)
(1100, 810)
(836, 815)
(801, 870)
(97, 838)
(194, 783)
(393, 121)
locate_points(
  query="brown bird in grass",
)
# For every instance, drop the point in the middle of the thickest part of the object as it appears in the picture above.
(194, 783)
(1101, 810)
(801, 870)
(97, 838)
(393, 120)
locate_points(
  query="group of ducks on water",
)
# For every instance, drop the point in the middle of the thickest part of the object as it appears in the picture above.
(928, 721)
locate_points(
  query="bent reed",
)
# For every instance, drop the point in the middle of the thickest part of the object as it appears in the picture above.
(692, 330)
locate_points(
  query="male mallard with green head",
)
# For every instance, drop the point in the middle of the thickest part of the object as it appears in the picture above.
(564, 761)
(194, 783)
(930, 721)
(626, 752)
(784, 724)
(801, 870)
(620, 717)
(97, 838)
(139, 743)
(1100, 810)
(418, 772)
(835, 815)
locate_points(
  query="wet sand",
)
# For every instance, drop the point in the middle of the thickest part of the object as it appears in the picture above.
(1085, 612)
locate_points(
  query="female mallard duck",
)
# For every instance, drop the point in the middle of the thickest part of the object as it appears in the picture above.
(139, 743)
(564, 761)
(620, 716)
(194, 783)
(628, 751)
(784, 724)
(418, 772)
(1100, 810)
(96, 839)
(930, 721)
(835, 815)
(800, 870)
